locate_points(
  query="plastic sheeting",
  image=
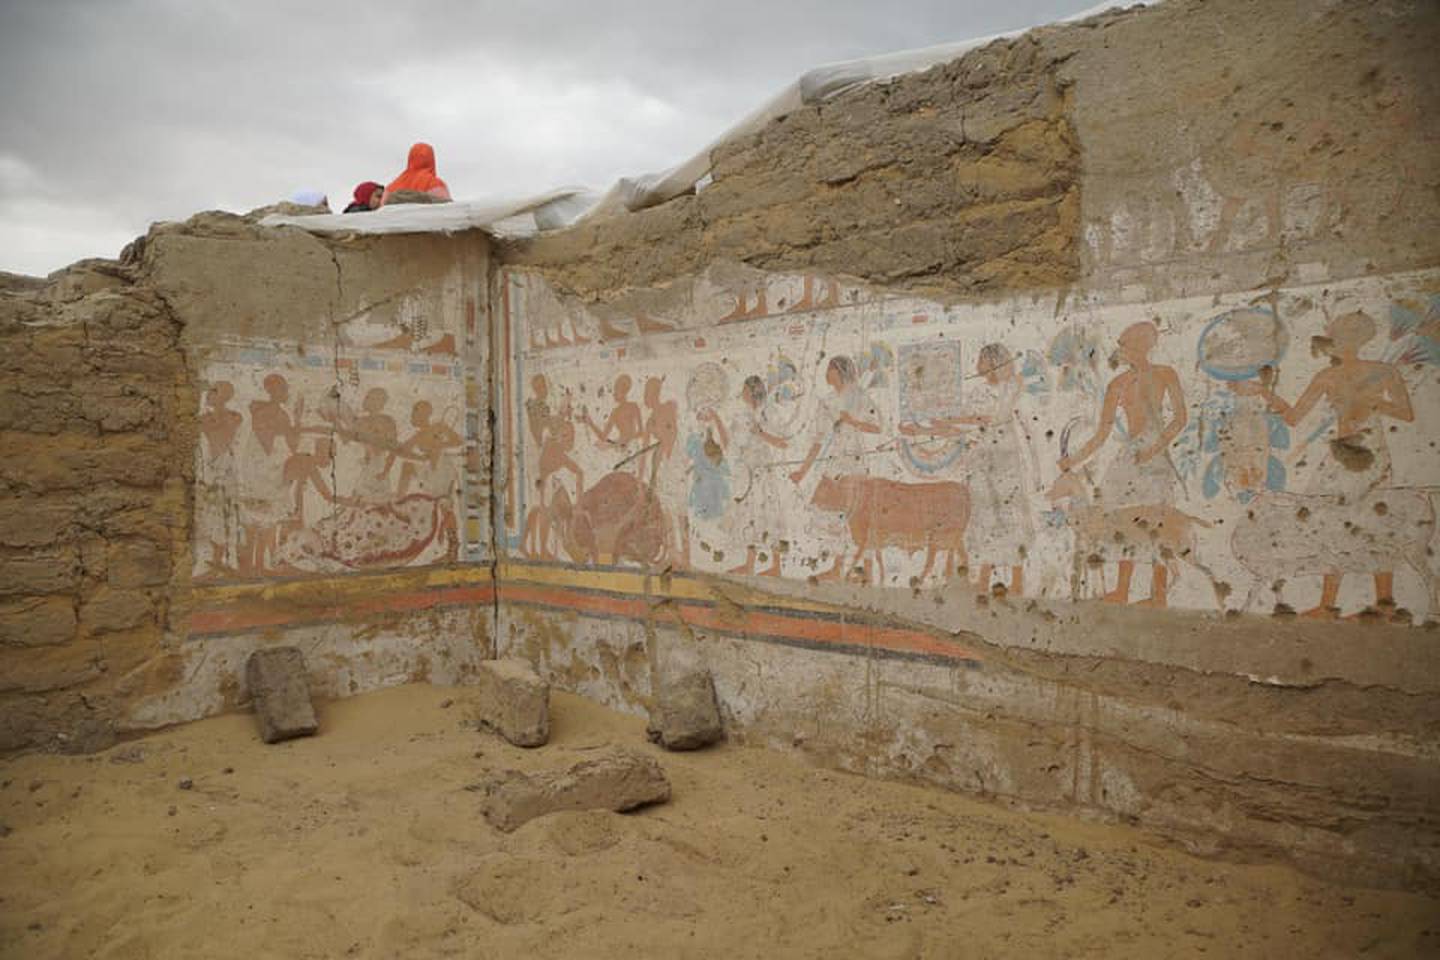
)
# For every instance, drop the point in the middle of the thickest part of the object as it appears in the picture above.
(547, 211)
(561, 208)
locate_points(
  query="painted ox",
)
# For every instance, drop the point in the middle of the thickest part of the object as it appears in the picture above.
(1285, 535)
(618, 519)
(884, 513)
(1154, 534)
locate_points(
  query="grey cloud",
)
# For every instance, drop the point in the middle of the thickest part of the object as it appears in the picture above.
(127, 111)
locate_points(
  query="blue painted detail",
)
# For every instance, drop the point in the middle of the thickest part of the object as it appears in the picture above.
(1214, 477)
(1275, 478)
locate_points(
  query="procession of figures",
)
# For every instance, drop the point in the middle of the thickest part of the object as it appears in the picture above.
(1262, 456)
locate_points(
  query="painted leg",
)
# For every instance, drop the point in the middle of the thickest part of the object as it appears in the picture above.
(807, 296)
(1121, 593)
(1159, 588)
(986, 571)
(747, 568)
(761, 309)
(929, 561)
(1385, 589)
(1329, 607)
(835, 572)
(1017, 581)
(774, 569)
(739, 312)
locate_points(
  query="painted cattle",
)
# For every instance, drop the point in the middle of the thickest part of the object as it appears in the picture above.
(884, 513)
(619, 519)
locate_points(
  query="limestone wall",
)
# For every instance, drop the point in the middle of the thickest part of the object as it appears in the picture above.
(240, 437)
(1057, 424)
(1052, 424)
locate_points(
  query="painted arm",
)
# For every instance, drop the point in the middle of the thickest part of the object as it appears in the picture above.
(1102, 432)
(779, 443)
(864, 426)
(602, 434)
(799, 475)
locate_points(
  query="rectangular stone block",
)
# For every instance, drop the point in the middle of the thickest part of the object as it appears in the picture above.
(280, 690)
(34, 521)
(138, 563)
(511, 699)
(618, 780)
(686, 715)
(37, 621)
(39, 573)
(110, 610)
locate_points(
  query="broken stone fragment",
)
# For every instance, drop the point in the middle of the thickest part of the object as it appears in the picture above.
(686, 715)
(618, 780)
(511, 699)
(278, 686)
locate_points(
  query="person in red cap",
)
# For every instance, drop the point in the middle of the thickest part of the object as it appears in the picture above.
(367, 197)
(418, 183)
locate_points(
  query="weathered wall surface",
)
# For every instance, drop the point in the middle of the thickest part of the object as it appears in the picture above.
(341, 497)
(241, 437)
(1073, 397)
(96, 424)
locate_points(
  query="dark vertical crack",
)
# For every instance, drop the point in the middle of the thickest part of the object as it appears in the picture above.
(493, 377)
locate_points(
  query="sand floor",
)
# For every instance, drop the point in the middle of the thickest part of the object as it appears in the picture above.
(364, 842)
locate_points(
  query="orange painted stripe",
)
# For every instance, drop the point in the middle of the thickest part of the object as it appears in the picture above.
(766, 623)
(257, 614)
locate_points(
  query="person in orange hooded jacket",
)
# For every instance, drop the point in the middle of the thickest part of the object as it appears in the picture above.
(419, 177)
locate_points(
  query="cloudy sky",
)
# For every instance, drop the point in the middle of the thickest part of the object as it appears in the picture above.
(117, 113)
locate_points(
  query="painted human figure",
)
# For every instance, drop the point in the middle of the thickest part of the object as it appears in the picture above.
(266, 503)
(375, 430)
(1361, 394)
(432, 470)
(1001, 527)
(755, 449)
(625, 420)
(665, 476)
(428, 469)
(709, 469)
(1149, 397)
(303, 471)
(218, 486)
(554, 434)
(845, 419)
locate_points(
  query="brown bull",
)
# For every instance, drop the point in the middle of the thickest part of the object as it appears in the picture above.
(617, 519)
(887, 513)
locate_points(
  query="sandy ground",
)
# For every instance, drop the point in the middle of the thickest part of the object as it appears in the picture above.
(365, 842)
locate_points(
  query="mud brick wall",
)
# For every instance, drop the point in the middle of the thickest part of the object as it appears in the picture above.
(96, 424)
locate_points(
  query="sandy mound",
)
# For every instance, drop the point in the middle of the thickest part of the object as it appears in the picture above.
(365, 842)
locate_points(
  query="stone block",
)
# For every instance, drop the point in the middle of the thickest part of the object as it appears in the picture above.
(281, 693)
(511, 699)
(37, 621)
(111, 610)
(34, 521)
(686, 715)
(617, 780)
(138, 563)
(38, 572)
(37, 669)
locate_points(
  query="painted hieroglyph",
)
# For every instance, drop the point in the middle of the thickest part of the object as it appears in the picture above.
(1266, 451)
